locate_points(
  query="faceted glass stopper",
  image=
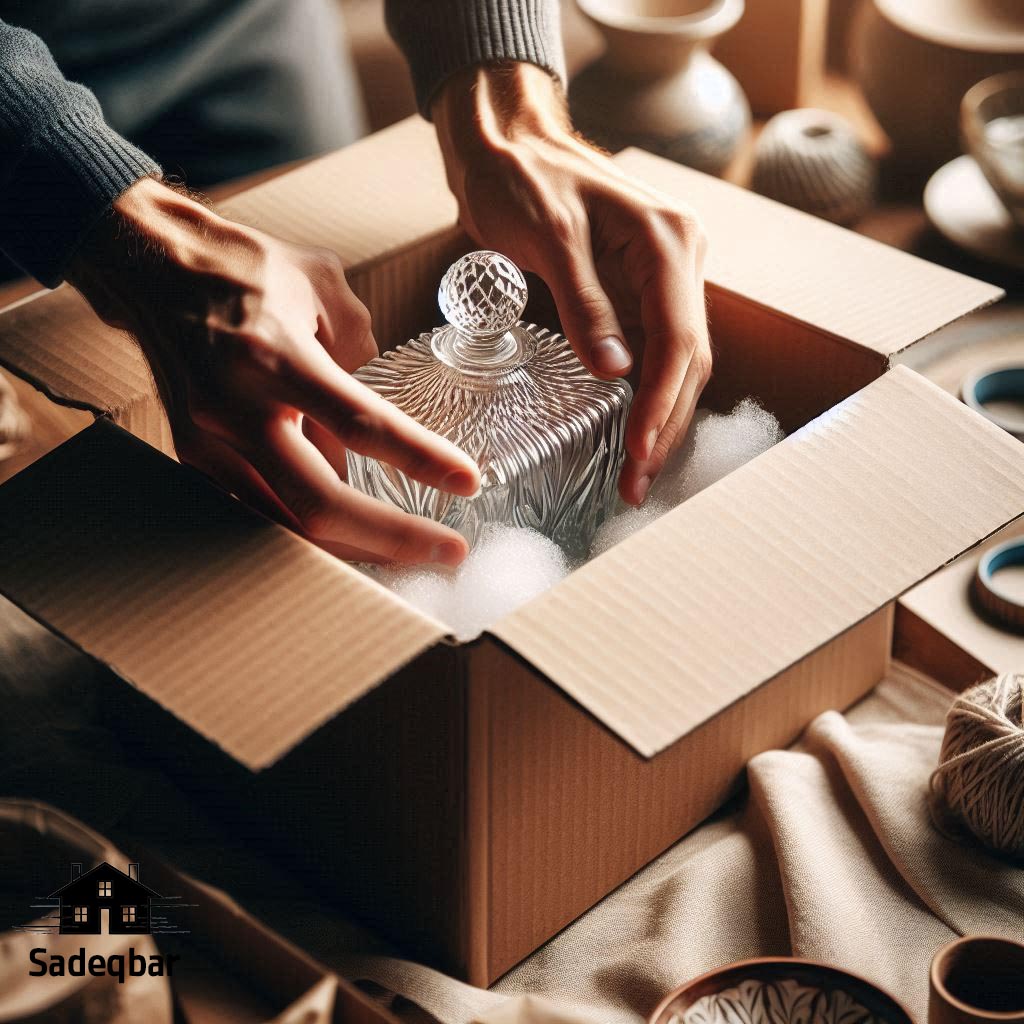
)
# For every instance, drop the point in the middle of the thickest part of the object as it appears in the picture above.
(482, 295)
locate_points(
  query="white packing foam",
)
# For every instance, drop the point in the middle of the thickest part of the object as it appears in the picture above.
(510, 565)
(715, 445)
(507, 567)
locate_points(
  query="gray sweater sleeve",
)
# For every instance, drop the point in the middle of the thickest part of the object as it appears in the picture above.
(441, 37)
(61, 165)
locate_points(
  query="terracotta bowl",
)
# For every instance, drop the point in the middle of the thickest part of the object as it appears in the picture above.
(830, 982)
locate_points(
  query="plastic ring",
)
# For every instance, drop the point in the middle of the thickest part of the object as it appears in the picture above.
(994, 601)
(992, 385)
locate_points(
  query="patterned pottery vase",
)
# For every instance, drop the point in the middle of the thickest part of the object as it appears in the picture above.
(657, 86)
(915, 59)
(813, 160)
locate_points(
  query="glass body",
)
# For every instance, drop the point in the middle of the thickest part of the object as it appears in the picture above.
(546, 434)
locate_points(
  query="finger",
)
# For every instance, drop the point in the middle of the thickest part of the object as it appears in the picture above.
(587, 314)
(229, 471)
(344, 326)
(232, 473)
(637, 476)
(345, 331)
(328, 445)
(330, 511)
(349, 553)
(363, 421)
(675, 334)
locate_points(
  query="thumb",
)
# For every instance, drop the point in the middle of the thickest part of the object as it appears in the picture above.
(587, 315)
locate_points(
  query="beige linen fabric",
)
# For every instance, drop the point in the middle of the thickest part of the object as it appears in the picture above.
(831, 856)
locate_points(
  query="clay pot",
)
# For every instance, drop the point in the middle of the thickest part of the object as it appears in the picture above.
(657, 86)
(915, 59)
(812, 160)
(977, 980)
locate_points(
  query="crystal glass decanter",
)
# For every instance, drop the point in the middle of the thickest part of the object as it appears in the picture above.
(546, 434)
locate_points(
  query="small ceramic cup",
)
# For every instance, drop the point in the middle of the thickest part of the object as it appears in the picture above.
(992, 126)
(978, 980)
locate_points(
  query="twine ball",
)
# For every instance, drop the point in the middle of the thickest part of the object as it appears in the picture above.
(813, 160)
(979, 784)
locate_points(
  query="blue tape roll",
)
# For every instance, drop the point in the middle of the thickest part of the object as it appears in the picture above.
(1006, 383)
(1000, 605)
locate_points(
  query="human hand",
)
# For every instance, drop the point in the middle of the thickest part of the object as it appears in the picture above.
(251, 341)
(624, 264)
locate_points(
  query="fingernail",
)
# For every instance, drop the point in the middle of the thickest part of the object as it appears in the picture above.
(650, 441)
(643, 485)
(610, 356)
(460, 482)
(447, 553)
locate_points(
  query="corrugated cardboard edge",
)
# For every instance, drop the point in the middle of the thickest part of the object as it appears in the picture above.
(849, 287)
(654, 659)
(57, 344)
(945, 601)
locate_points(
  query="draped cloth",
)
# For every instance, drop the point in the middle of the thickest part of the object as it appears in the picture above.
(829, 854)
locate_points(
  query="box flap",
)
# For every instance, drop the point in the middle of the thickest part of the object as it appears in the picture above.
(246, 632)
(849, 286)
(945, 602)
(366, 201)
(682, 619)
(56, 342)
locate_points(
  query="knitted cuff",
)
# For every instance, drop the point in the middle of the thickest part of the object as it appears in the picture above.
(442, 37)
(58, 187)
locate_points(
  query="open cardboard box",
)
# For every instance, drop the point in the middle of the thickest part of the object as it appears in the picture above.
(471, 800)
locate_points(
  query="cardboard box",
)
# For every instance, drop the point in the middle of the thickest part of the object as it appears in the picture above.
(471, 800)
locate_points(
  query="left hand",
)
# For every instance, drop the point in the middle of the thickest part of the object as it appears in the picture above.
(624, 263)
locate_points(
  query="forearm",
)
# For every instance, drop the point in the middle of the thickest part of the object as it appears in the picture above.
(441, 38)
(61, 165)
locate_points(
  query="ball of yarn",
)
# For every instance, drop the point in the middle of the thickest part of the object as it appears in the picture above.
(812, 160)
(979, 784)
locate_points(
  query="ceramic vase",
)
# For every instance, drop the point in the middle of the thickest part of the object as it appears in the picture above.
(813, 160)
(915, 59)
(657, 86)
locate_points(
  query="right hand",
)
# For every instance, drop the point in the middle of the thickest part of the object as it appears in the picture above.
(251, 341)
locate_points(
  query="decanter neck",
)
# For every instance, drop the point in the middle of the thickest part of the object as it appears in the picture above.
(483, 355)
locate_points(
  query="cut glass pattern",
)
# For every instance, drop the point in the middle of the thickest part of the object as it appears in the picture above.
(546, 434)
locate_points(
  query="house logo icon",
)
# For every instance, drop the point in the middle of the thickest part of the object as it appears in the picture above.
(105, 901)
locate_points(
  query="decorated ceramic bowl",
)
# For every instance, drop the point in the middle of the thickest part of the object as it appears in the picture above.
(778, 990)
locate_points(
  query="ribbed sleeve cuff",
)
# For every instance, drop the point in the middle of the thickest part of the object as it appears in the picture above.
(61, 183)
(442, 37)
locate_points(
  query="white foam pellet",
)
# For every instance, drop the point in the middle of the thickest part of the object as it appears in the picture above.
(626, 521)
(716, 444)
(507, 567)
